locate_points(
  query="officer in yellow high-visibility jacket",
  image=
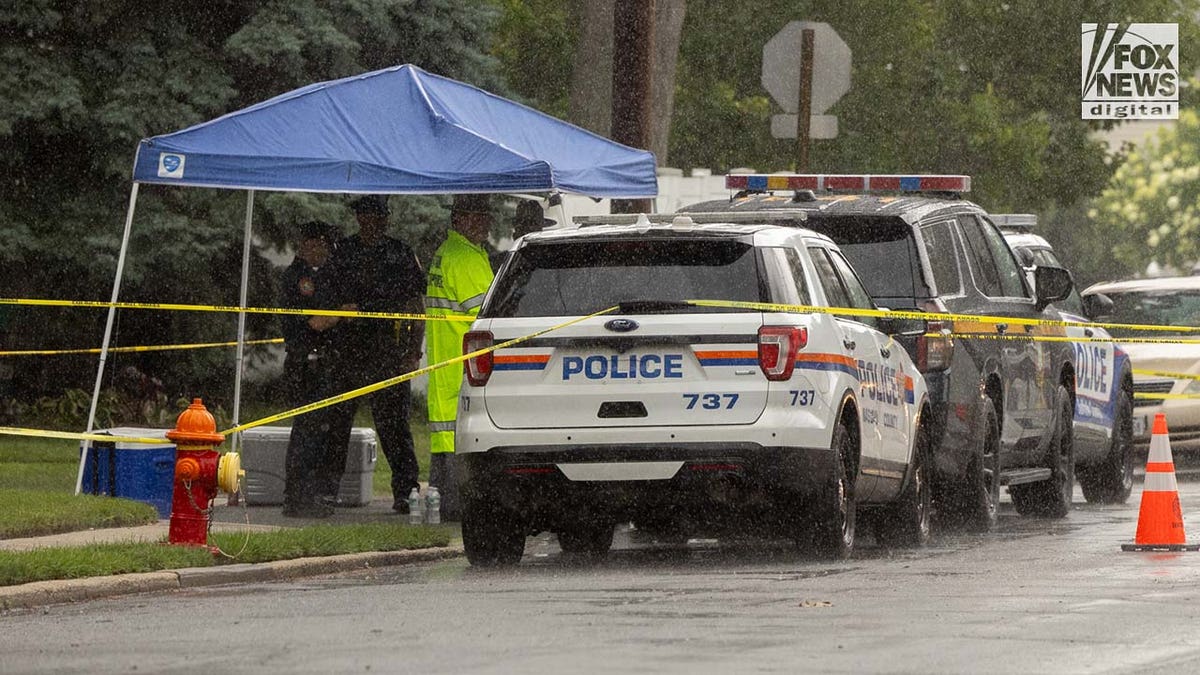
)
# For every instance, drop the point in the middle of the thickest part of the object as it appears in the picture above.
(459, 276)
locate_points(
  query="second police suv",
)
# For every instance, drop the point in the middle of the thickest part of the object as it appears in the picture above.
(699, 404)
(1001, 403)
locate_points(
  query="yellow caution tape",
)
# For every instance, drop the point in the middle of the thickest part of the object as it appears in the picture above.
(41, 433)
(1165, 397)
(1060, 338)
(1173, 376)
(97, 304)
(144, 348)
(316, 405)
(370, 388)
(934, 316)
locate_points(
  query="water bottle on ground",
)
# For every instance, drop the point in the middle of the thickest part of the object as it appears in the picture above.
(433, 506)
(415, 515)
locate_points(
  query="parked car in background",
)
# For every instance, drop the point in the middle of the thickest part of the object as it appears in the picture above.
(1104, 452)
(1002, 408)
(1172, 301)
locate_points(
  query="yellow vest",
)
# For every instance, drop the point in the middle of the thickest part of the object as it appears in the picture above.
(458, 279)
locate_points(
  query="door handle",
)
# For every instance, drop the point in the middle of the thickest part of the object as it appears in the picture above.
(885, 352)
(1001, 328)
(1087, 332)
(848, 343)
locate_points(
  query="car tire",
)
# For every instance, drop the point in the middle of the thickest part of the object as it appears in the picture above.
(1111, 480)
(586, 540)
(836, 511)
(1052, 498)
(974, 505)
(908, 523)
(492, 536)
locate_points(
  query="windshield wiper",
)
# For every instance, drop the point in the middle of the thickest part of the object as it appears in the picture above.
(641, 306)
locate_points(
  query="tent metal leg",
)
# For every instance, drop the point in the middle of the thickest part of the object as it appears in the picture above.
(112, 312)
(235, 443)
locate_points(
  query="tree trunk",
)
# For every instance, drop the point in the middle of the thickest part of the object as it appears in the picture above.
(668, 28)
(591, 76)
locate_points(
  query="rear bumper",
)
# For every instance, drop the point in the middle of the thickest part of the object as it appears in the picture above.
(715, 483)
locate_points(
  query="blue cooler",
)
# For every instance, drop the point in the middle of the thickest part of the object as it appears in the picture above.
(138, 471)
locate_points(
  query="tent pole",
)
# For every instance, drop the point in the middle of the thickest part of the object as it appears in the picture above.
(235, 443)
(108, 324)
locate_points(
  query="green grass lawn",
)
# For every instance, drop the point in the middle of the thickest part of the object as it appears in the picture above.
(18, 567)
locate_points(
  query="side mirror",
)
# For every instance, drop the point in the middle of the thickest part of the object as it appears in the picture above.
(894, 325)
(1052, 284)
(1097, 306)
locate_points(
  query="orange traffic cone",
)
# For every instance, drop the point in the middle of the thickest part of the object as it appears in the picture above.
(1160, 521)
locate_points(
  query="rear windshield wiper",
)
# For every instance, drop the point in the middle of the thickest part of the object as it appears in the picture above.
(640, 306)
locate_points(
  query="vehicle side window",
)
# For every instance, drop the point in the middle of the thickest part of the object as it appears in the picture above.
(787, 275)
(835, 294)
(1012, 283)
(943, 257)
(987, 277)
(859, 296)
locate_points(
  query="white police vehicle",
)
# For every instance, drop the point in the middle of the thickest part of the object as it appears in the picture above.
(686, 418)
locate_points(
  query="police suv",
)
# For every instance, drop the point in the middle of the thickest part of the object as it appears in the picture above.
(1001, 405)
(701, 401)
(1104, 450)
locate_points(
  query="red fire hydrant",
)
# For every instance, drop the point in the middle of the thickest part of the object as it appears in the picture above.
(199, 471)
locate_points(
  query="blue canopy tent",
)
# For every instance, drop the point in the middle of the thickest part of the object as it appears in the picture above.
(400, 130)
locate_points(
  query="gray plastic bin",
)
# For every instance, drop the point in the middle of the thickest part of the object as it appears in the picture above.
(264, 450)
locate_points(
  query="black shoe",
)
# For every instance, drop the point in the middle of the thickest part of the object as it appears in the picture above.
(308, 511)
(400, 506)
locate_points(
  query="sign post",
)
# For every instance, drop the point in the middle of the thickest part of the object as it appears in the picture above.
(804, 107)
(821, 59)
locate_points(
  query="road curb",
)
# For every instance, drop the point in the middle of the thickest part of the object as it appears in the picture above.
(39, 593)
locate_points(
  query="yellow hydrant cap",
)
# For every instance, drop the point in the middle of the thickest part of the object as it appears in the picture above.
(196, 426)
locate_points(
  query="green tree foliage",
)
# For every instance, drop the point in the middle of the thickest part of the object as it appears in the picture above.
(81, 81)
(1151, 209)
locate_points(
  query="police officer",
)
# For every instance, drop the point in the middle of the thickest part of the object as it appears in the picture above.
(458, 279)
(309, 374)
(372, 272)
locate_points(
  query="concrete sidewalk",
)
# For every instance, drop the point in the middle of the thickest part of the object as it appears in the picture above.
(225, 518)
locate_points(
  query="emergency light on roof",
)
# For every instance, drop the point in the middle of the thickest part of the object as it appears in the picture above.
(1015, 221)
(848, 182)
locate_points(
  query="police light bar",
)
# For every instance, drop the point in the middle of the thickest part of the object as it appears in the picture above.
(848, 182)
(1015, 221)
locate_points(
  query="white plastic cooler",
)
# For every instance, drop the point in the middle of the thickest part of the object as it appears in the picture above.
(264, 450)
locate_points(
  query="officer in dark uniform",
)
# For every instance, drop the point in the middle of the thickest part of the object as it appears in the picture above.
(372, 272)
(310, 343)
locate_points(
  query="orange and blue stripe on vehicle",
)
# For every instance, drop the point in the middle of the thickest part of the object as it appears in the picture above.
(727, 358)
(520, 361)
(839, 362)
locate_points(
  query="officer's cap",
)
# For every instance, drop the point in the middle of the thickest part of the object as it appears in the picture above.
(371, 205)
(471, 203)
(530, 214)
(318, 229)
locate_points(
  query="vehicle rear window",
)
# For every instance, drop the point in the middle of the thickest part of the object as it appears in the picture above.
(581, 277)
(882, 253)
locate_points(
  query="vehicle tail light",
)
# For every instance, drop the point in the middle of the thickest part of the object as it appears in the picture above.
(478, 368)
(777, 348)
(935, 353)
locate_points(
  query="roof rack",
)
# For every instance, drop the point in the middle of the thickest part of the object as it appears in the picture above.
(786, 216)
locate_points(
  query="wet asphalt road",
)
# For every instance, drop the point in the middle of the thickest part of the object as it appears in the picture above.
(1035, 596)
